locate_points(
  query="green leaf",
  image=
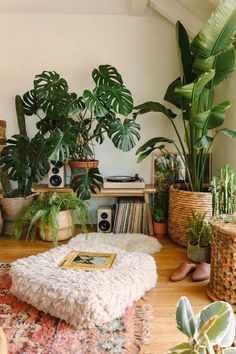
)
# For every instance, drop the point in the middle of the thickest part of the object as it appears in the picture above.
(86, 181)
(153, 107)
(228, 132)
(65, 105)
(184, 348)
(185, 317)
(93, 104)
(117, 97)
(173, 97)
(213, 321)
(194, 90)
(186, 58)
(30, 104)
(204, 142)
(225, 64)
(213, 118)
(124, 135)
(217, 32)
(49, 85)
(106, 75)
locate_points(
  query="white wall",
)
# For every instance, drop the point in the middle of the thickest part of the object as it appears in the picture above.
(141, 48)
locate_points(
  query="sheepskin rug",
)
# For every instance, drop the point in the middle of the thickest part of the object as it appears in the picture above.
(129, 242)
(83, 298)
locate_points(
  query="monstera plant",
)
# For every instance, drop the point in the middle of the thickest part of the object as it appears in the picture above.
(25, 160)
(204, 64)
(84, 119)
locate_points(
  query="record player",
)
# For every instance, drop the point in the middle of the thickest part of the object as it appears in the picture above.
(124, 182)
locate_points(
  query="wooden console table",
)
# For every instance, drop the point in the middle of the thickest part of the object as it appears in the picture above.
(112, 192)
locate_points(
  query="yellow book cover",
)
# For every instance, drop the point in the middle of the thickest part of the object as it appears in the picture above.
(88, 261)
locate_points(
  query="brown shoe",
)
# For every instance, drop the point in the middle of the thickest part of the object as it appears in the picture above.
(182, 271)
(202, 272)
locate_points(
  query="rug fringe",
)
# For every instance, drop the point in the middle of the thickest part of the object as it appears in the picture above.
(143, 319)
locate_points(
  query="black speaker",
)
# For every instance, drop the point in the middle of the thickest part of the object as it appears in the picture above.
(56, 175)
(104, 218)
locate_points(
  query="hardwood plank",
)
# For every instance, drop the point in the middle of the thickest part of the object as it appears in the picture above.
(163, 297)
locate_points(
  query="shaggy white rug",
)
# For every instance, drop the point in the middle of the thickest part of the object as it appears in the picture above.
(129, 242)
(83, 298)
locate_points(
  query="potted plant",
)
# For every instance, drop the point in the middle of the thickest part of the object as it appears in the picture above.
(23, 161)
(52, 215)
(204, 63)
(198, 249)
(159, 222)
(84, 120)
(211, 331)
(223, 189)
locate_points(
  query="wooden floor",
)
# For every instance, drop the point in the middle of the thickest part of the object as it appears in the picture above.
(163, 297)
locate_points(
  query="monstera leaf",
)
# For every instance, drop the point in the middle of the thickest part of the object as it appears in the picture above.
(118, 98)
(123, 135)
(106, 75)
(30, 104)
(93, 103)
(86, 181)
(49, 85)
(65, 105)
(14, 158)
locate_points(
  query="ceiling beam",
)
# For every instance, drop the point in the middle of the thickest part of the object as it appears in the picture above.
(174, 12)
(137, 7)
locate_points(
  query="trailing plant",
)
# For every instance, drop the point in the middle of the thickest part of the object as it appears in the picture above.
(199, 230)
(43, 211)
(212, 331)
(204, 64)
(222, 189)
(84, 119)
(24, 160)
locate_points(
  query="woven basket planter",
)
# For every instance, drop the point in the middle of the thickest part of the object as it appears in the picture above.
(181, 205)
(222, 284)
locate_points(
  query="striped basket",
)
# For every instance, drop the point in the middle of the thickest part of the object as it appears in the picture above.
(222, 284)
(181, 205)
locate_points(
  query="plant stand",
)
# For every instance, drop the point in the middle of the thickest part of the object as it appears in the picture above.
(145, 192)
(222, 284)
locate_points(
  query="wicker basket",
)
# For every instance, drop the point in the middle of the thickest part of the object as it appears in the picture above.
(222, 284)
(181, 205)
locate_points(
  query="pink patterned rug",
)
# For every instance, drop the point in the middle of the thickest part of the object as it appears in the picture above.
(30, 331)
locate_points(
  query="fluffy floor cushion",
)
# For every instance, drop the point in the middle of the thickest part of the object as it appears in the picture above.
(129, 242)
(83, 298)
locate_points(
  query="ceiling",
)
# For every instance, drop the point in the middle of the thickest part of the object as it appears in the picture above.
(194, 12)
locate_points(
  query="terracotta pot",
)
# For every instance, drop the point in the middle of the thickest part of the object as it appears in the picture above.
(74, 165)
(160, 229)
(65, 227)
(11, 208)
(181, 205)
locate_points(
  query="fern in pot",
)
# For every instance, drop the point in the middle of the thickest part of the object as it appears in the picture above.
(198, 248)
(52, 216)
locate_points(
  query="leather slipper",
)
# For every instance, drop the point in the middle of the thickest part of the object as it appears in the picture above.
(182, 271)
(202, 272)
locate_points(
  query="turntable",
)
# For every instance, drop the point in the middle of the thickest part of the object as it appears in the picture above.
(124, 182)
